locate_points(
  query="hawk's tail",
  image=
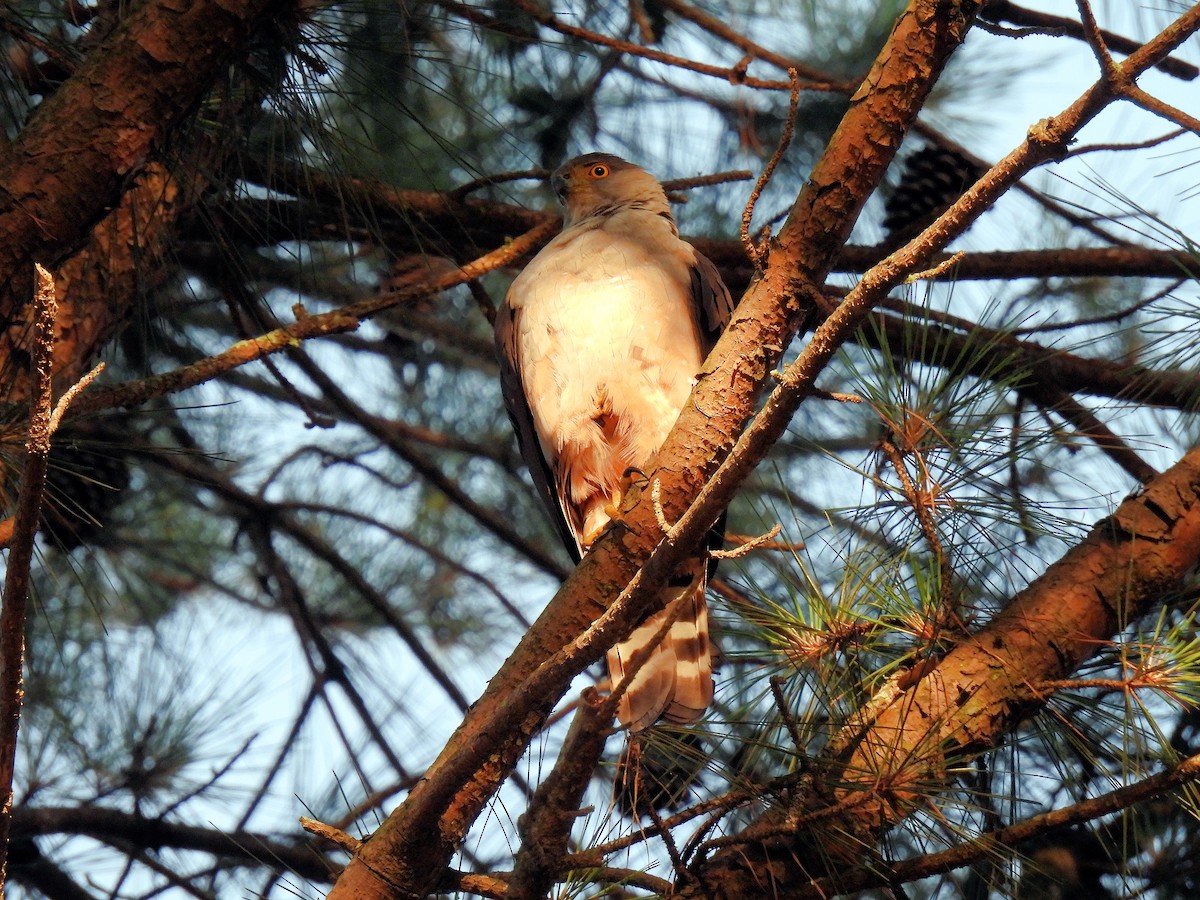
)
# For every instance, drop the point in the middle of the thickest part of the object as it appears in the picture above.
(676, 681)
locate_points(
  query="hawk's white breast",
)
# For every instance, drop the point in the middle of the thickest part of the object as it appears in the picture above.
(607, 327)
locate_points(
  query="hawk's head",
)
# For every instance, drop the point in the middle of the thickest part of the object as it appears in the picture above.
(600, 184)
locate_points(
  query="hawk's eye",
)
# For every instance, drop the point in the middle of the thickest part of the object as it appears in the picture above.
(599, 171)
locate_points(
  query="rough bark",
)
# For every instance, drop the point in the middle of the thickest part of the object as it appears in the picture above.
(71, 164)
(98, 287)
(406, 855)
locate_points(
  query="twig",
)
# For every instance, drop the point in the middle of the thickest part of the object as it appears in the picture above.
(714, 26)
(16, 580)
(1120, 148)
(726, 177)
(1044, 23)
(940, 269)
(336, 321)
(238, 299)
(755, 251)
(681, 871)
(470, 187)
(1092, 427)
(1122, 84)
(762, 540)
(785, 713)
(656, 499)
(69, 396)
(637, 12)
(1151, 104)
(922, 500)
(1095, 40)
(347, 842)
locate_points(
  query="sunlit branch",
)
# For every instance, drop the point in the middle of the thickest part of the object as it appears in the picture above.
(992, 843)
(307, 326)
(16, 578)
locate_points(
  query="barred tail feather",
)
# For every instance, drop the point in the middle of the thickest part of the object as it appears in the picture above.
(676, 681)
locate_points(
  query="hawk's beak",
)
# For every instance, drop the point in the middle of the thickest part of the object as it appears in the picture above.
(558, 183)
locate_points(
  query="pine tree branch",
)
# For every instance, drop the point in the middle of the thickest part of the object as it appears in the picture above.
(718, 28)
(418, 838)
(30, 867)
(1045, 368)
(16, 578)
(430, 222)
(260, 509)
(983, 688)
(733, 75)
(241, 848)
(545, 828)
(1006, 11)
(335, 322)
(68, 165)
(990, 844)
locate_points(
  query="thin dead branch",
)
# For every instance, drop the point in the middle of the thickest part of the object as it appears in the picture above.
(757, 251)
(16, 579)
(733, 75)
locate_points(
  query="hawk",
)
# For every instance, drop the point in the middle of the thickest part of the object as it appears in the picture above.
(601, 339)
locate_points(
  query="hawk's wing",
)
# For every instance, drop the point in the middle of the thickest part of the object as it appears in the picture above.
(714, 305)
(540, 468)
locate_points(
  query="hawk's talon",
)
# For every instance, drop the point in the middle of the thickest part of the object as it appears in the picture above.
(612, 508)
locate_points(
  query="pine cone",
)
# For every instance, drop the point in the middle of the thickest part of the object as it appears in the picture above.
(932, 179)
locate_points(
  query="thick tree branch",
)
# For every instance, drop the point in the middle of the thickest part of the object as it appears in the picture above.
(68, 165)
